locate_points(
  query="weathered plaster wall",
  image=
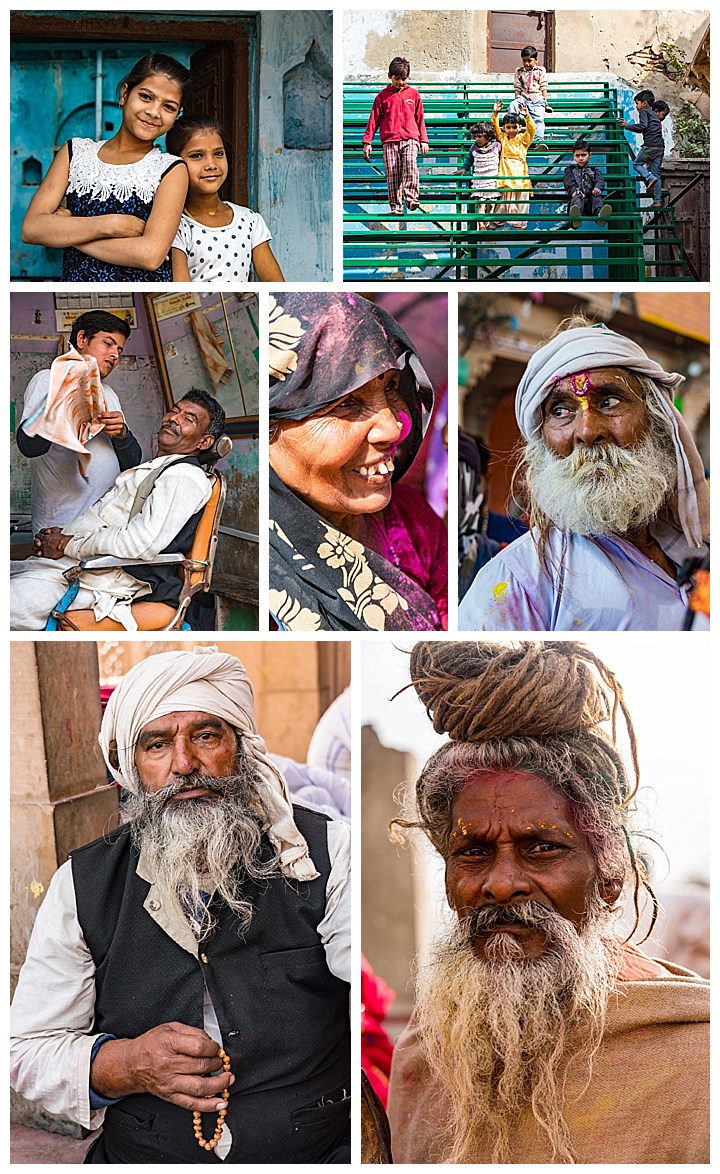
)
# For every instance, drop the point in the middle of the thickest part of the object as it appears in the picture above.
(615, 40)
(294, 188)
(435, 43)
(454, 44)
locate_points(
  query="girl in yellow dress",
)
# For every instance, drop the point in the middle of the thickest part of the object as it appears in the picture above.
(513, 174)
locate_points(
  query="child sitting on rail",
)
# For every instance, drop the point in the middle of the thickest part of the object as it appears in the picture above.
(513, 175)
(584, 186)
(483, 160)
(398, 114)
(648, 161)
(531, 89)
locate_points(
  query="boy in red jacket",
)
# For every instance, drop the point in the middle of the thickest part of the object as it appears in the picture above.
(398, 113)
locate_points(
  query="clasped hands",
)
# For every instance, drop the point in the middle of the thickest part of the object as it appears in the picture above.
(51, 542)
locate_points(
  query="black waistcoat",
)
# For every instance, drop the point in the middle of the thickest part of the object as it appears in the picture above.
(283, 1016)
(164, 579)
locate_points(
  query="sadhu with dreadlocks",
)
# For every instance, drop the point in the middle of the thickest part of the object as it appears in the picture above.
(539, 1034)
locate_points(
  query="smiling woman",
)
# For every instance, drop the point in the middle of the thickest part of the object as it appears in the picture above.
(350, 548)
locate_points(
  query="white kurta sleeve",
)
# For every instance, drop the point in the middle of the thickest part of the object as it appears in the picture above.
(334, 929)
(176, 495)
(53, 1010)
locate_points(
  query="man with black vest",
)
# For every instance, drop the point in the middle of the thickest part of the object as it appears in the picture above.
(151, 509)
(188, 972)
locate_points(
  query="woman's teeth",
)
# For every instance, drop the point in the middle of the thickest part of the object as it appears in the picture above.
(382, 468)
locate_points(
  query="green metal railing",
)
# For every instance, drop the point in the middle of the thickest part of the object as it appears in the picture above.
(446, 238)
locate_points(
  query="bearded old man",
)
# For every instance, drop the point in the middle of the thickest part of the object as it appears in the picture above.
(617, 496)
(186, 983)
(538, 1034)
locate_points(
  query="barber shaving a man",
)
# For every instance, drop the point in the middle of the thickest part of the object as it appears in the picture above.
(61, 488)
(616, 491)
(150, 509)
(186, 984)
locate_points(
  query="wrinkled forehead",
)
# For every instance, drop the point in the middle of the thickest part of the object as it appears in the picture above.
(176, 720)
(591, 380)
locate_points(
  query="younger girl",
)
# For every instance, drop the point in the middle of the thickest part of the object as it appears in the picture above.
(514, 177)
(215, 240)
(483, 160)
(124, 196)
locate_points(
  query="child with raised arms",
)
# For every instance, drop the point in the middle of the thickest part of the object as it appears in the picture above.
(513, 175)
(216, 240)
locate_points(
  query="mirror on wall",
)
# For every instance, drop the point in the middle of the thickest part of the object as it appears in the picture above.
(210, 341)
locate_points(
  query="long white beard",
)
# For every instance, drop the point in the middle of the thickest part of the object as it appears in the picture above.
(204, 845)
(499, 1034)
(604, 489)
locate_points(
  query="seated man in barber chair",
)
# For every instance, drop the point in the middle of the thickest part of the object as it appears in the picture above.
(150, 510)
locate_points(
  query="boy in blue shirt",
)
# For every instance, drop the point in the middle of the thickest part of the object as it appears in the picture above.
(648, 161)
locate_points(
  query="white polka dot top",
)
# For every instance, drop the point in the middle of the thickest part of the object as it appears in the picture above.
(221, 252)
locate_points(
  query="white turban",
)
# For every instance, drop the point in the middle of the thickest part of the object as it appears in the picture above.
(587, 347)
(210, 682)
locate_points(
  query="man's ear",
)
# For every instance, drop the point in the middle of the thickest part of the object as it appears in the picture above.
(206, 442)
(81, 341)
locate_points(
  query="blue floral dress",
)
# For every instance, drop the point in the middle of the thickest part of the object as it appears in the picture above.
(98, 189)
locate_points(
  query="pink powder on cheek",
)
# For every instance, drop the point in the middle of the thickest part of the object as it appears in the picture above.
(405, 426)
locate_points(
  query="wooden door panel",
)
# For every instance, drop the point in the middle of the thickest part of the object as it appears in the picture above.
(217, 91)
(509, 32)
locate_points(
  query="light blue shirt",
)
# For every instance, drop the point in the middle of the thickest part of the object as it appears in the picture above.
(595, 585)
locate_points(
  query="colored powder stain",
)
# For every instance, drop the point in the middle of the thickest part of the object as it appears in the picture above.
(581, 383)
(499, 590)
(406, 425)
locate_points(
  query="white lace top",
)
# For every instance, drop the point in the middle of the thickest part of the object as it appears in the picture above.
(89, 176)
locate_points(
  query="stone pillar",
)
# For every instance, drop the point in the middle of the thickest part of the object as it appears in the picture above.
(389, 892)
(60, 797)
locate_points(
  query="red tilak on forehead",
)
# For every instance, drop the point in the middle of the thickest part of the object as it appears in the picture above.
(581, 383)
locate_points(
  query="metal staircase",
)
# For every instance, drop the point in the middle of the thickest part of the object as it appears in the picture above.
(442, 239)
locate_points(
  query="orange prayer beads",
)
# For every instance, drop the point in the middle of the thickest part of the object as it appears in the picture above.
(197, 1116)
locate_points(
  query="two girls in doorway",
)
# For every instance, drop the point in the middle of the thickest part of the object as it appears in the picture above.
(115, 206)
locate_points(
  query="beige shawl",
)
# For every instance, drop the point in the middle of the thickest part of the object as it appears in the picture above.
(647, 1101)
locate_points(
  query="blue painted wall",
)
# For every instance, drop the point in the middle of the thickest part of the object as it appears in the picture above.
(52, 99)
(290, 104)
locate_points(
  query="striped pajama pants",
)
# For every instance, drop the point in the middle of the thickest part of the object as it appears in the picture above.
(401, 172)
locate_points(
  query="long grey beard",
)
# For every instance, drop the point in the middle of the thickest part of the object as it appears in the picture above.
(604, 489)
(500, 1034)
(204, 845)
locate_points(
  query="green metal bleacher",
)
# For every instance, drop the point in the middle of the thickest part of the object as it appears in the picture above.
(442, 240)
